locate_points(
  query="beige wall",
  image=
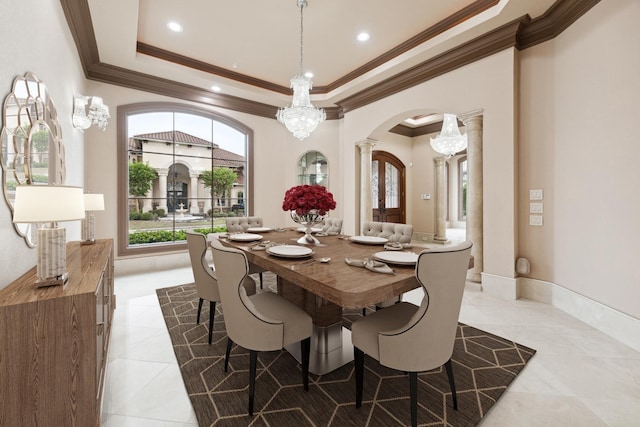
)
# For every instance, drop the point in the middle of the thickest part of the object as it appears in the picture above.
(579, 144)
(36, 38)
(559, 117)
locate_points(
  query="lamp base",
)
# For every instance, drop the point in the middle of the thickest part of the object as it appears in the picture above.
(53, 281)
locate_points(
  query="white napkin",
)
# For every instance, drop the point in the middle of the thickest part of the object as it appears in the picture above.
(393, 246)
(370, 264)
(264, 245)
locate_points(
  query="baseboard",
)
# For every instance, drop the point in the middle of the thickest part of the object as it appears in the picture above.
(616, 324)
(146, 264)
(499, 286)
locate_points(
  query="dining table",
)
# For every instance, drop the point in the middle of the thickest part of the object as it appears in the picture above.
(323, 289)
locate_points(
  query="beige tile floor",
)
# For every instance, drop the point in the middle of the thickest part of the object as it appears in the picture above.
(579, 376)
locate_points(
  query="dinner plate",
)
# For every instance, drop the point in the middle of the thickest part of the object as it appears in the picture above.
(402, 258)
(369, 240)
(313, 229)
(258, 229)
(245, 237)
(290, 251)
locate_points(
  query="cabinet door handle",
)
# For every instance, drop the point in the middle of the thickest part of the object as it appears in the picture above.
(100, 328)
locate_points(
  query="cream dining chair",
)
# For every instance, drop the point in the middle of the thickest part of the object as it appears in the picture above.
(332, 226)
(262, 322)
(415, 339)
(205, 277)
(395, 232)
(240, 225)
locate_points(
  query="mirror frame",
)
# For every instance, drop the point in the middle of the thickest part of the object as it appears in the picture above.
(27, 111)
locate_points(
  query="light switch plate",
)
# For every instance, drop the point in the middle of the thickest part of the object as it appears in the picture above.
(535, 194)
(536, 207)
(535, 220)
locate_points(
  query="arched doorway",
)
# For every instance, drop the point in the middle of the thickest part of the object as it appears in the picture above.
(178, 188)
(388, 183)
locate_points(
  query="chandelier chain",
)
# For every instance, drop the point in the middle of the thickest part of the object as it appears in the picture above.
(301, 35)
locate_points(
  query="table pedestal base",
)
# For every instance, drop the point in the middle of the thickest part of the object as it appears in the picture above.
(331, 349)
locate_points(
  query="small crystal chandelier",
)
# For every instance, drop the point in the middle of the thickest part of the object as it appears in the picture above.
(301, 118)
(98, 112)
(449, 141)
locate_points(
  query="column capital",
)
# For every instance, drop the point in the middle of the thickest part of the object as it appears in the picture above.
(440, 160)
(472, 118)
(366, 144)
(162, 171)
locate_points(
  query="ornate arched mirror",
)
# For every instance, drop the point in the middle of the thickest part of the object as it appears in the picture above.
(313, 168)
(31, 139)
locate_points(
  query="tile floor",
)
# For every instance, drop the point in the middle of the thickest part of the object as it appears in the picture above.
(579, 376)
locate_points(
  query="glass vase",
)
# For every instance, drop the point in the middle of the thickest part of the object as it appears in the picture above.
(308, 220)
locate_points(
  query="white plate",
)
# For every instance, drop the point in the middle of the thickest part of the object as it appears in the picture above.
(369, 240)
(313, 229)
(290, 251)
(402, 258)
(245, 237)
(258, 229)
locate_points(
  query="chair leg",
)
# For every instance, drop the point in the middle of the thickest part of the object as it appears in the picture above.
(253, 358)
(358, 356)
(212, 313)
(260, 274)
(305, 350)
(452, 383)
(227, 353)
(413, 396)
(200, 301)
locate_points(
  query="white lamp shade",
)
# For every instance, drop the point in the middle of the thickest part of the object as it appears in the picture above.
(48, 203)
(93, 202)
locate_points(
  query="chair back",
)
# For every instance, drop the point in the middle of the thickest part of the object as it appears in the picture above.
(241, 223)
(426, 341)
(204, 276)
(332, 226)
(401, 233)
(245, 325)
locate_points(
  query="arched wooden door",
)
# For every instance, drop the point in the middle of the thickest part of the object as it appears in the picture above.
(388, 187)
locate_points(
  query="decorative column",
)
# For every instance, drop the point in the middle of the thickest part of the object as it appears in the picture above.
(366, 148)
(441, 200)
(162, 188)
(193, 193)
(147, 201)
(473, 124)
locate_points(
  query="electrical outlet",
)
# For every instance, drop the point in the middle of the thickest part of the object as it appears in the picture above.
(535, 220)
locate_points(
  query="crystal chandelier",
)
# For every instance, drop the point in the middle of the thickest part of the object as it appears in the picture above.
(449, 141)
(301, 118)
(98, 112)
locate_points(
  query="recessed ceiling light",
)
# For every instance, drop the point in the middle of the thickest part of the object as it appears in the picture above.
(215, 88)
(175, 27)
(363, 37)
(308, 75)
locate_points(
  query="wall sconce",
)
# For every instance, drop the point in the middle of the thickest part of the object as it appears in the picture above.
(49, 204)
(92, 203)
(98, 112)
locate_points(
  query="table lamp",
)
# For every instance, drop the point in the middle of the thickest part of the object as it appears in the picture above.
(49, 204)
(92, 203)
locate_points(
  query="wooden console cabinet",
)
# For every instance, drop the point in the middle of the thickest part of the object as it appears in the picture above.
(54, 341)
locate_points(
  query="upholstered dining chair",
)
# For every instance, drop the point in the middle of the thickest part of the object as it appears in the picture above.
(332, 226)
(240, 225)
(414, 338)
(395, 232)
(205, 278)
(262, 322)
(400, 233)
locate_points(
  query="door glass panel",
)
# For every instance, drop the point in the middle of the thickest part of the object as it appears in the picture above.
(392, 184)
(374, 184)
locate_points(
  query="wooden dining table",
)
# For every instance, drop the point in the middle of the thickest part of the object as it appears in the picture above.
(324, 289)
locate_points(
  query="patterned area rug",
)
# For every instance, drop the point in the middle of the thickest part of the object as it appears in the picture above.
(484, 365)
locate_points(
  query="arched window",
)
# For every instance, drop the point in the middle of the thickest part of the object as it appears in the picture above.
(179, 168)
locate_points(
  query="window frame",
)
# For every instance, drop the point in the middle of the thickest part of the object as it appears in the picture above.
(123, 111)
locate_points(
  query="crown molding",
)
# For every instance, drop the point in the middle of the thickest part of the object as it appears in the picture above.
(521, 33)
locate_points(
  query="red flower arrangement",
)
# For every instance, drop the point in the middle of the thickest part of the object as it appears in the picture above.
(302, 199)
